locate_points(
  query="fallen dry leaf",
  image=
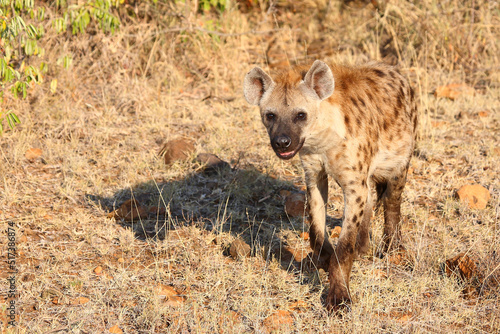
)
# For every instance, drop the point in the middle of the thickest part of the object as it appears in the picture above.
(79, 301)
(305, 235)
(277, 321)
(475, 196)
(33, 153)
(453, 91)
(172, 296)
(177, 149)
(463, 266)
(239, 249)
(98, 270)
(131, 210)
(295, 205)
(115, 330)
(298, 253)
(298, 306)
(336, 232)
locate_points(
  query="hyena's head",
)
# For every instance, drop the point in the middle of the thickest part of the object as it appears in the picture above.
(289, 104)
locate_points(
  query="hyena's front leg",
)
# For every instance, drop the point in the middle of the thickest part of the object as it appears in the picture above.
(355, 199)
(317, 197)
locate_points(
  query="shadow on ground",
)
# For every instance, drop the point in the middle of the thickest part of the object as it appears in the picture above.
(243, 202)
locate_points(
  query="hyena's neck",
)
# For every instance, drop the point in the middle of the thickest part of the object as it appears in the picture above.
(328, 129)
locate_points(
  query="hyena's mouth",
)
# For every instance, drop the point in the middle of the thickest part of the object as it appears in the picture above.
(290, 154)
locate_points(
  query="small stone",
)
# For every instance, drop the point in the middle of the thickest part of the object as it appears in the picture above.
(98, 270)
(239, 249)
(295, 205)
(476, 196)
(177, 149)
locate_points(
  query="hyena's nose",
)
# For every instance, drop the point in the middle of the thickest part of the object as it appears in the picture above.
(281, 142)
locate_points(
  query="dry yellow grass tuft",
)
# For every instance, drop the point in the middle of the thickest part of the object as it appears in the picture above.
(173, 71)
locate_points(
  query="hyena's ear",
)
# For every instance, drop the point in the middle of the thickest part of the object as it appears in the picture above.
(320, 79)
(256, 83)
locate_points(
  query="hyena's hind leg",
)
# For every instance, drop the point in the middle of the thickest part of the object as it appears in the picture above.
(391, 198)
(363, 238)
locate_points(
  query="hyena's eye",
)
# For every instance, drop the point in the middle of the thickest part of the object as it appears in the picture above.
(270, 116)
(301, 116)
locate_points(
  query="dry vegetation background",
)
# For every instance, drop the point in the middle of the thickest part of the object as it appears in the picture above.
(173, 71)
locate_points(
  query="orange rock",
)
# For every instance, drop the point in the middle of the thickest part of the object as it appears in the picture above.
(453, 91)
(295, 205)
(336, 232)
(33, 153)
(476, 196)
(177, 149)
(115, 330)
(278, 321)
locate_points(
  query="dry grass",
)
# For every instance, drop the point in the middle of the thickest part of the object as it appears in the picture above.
(128, 93)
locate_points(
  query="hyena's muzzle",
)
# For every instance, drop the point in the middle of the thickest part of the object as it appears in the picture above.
(285, 138)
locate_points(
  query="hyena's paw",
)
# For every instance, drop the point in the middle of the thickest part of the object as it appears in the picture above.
(338, 298)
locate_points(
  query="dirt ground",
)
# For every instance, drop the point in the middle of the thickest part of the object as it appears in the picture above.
(168, 260)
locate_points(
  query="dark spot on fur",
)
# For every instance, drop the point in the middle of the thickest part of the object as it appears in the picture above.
(355, 218)
(347, 120)
(361, 213)
(370, 96)
(379, 73)
(363, 182)
(358, 199)
(362, 101)
(385, 125)
(353, 100)
(372, 83)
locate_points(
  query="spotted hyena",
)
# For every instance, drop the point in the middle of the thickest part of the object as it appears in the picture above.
(356, 124)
